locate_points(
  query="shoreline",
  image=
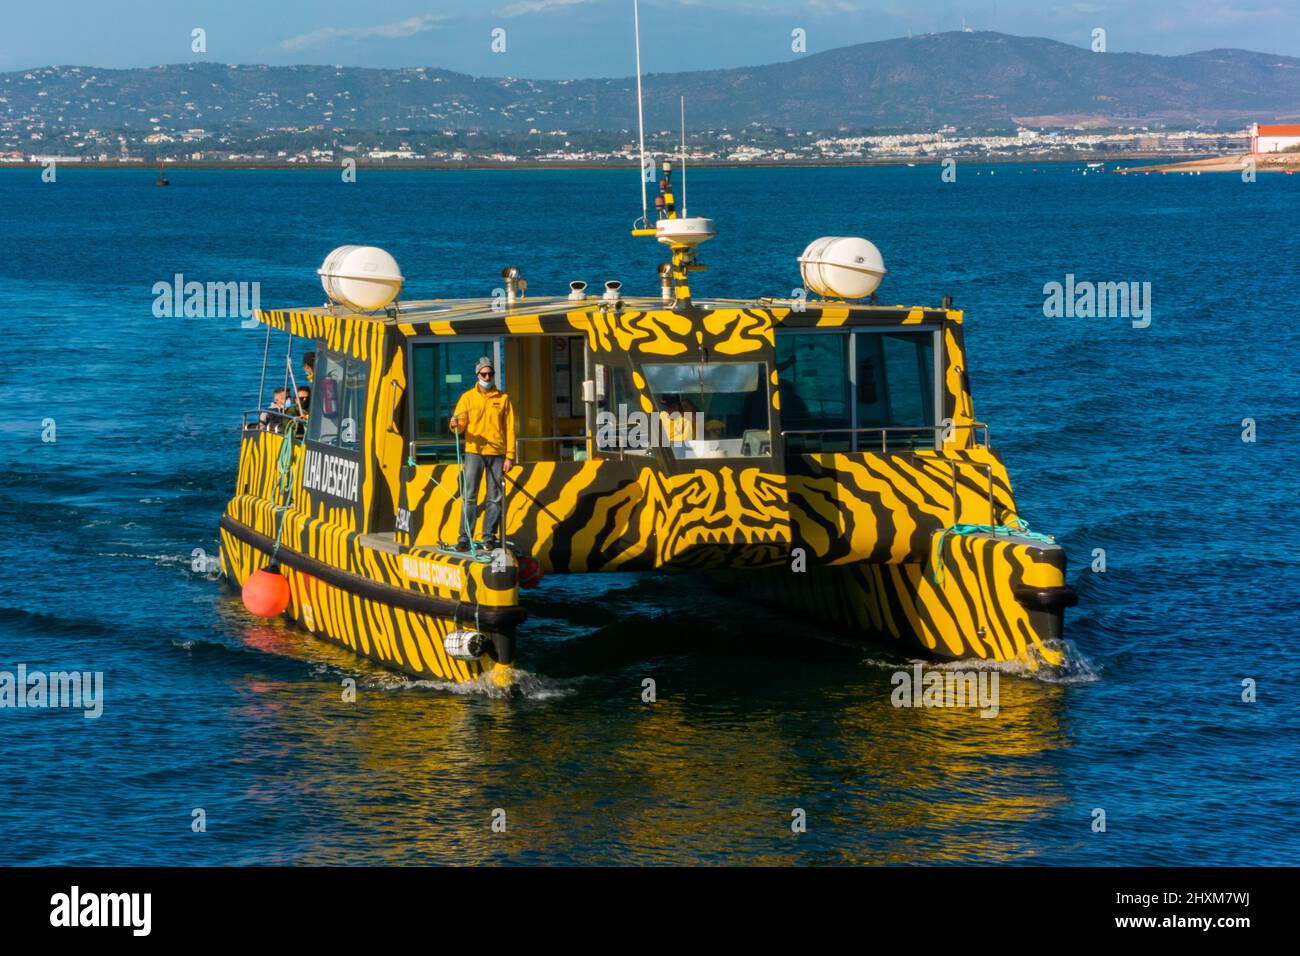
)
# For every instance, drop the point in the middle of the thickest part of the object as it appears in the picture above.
(604, 164)
(1287, 163)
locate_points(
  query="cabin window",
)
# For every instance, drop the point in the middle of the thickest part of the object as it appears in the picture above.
(895, 388)
(813, 371)
(338, 401)
(618, 409)
(441, 371)
(710, 410)
(566, 376)
(839, 388)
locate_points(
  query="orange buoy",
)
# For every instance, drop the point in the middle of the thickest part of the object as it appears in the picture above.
(266, 593)
(530, 572)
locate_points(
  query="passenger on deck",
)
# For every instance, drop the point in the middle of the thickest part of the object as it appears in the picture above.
(486, 418)
(309, 365)
(272, 420)
(299, 411)
(676, 419)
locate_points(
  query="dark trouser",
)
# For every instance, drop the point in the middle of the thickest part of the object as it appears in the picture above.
(475, 466)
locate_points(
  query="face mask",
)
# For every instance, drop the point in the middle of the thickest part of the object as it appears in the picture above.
(485, 383)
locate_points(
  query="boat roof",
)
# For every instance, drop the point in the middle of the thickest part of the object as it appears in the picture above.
(560, 315)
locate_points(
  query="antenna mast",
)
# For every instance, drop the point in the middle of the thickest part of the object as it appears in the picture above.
(679, 233)
(640, 115)
(683, 157)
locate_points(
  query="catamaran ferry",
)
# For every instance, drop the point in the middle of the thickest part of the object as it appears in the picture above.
(821, 449)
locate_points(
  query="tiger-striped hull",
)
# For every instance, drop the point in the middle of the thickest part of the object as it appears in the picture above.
(393, 606)
(399, 639)
(970, 609)
(859, 544)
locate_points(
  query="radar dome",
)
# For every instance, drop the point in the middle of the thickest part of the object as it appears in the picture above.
(362, 278)
(686, 232)
(842, 267)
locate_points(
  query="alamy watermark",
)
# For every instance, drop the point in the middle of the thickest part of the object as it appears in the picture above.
(1086, 300)
(670, 428)
(127, 910)
(207, 300)
(77, 690)
(946, 688)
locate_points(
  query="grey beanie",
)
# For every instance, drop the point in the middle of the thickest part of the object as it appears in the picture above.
(483, 363)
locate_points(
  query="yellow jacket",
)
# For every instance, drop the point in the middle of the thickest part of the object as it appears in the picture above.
(677, 426)
(487, 420)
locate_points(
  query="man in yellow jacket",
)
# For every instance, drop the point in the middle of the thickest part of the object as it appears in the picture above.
(486, 418)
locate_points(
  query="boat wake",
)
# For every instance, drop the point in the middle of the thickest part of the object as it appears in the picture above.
(522, 685)
(1075, 668)
(210, 567)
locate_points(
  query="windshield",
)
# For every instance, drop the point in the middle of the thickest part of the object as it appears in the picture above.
(711, 410)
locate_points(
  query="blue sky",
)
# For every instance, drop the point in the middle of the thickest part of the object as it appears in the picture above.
(557, 39)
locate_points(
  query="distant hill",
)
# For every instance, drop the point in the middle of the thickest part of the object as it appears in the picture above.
(967, 80)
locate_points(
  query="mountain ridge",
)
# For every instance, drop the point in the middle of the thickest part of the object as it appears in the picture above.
(969, 80)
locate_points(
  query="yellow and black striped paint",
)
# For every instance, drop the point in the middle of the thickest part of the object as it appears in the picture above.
(854, 539)
(393, 607)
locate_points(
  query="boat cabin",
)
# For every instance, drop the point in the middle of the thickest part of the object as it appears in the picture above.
(613, 393)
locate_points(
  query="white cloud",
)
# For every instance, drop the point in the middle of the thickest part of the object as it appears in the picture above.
(833, 6)
(524, 7)
(1212, 13)
(388, 31)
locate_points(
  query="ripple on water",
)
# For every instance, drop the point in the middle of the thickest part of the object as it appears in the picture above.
(1075, 667)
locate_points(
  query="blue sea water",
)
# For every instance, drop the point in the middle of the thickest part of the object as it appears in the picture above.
(1117, 438)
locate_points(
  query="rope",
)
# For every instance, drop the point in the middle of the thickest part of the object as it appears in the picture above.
(473, 549)
(1020, 528)
(282, 494)
(437, 485)
(283, 491)
(464, 519)
(520, 488)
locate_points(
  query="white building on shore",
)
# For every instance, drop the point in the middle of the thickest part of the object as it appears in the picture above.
(1274, 139)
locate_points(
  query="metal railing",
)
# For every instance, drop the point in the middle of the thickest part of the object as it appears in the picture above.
(558, 440)
(269, 420)
(433, 451)
(618, 452)
(437, 444)
(412, 450)
(933, 430)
